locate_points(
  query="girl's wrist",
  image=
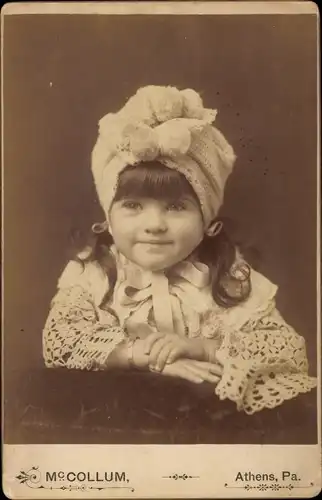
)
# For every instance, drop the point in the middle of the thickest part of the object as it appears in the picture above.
(128, 354)
(119, 357)
(136, 355)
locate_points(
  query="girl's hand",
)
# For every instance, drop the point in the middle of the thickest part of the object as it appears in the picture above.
(165, 349)
(194, 371)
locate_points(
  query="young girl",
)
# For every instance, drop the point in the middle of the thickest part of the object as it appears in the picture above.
(162, 287)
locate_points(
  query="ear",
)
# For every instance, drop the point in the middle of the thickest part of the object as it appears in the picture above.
(100, 227)
(214, 229)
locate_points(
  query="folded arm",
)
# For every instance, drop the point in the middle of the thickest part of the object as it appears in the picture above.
(75, 338)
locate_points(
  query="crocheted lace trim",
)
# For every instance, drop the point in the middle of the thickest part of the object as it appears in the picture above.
(264, 364)
(75, 335)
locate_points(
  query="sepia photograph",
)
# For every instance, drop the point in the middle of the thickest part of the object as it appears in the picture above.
(160, 236)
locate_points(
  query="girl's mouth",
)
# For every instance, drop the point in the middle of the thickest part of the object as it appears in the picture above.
(155, 242)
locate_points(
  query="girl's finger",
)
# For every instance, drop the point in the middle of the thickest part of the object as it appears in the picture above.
(205, 375)
(204, 367)
(191, 377)
(157, 347)
(150, 340)
(182, 369)
(213, 368)
(201, 371)
(175, 370)
(163, 356)
(174, 354)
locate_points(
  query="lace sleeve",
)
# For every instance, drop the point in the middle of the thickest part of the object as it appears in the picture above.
(264, 363)
(74, 336)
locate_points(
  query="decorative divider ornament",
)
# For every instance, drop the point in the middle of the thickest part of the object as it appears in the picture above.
(180, 476)
(266, 487)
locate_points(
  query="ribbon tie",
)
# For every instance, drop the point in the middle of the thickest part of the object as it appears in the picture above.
(171, 301)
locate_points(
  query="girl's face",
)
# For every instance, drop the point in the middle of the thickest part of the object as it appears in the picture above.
(156, 234)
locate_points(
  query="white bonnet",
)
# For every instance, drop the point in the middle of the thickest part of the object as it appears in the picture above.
(172, 127)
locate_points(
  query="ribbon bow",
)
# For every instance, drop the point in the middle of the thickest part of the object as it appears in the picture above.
(171, 301)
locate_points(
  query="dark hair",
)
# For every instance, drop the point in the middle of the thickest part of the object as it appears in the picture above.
(152, 180)
(230, 277)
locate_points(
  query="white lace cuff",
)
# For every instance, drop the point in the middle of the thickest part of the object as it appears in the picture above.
(74, 336)
(264, 364)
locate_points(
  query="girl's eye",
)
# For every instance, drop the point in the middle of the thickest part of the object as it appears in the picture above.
(177, 206)
(131, 205)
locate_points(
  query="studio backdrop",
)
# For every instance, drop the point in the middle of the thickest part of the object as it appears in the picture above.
(62, 73)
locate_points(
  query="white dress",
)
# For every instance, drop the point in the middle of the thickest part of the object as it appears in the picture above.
(264, 360)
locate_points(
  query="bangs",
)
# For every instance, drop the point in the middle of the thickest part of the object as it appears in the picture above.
(153, 180)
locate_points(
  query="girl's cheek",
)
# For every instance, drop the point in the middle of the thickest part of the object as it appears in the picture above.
(128, 223)
(188, 220)
(126, 215)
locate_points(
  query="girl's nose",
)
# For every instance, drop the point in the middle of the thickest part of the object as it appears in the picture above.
(155, 221)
